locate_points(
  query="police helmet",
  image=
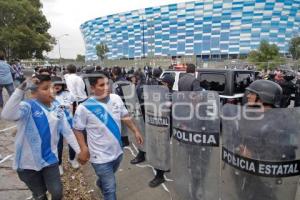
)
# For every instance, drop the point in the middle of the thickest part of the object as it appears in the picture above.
(268, 91)
(169, 79)
(156, 73)
(271, 76)
(289, 76)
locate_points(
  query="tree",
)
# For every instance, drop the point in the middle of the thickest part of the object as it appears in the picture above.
(80, 58)
(267, 56)
(102, 50)
(294, 47)
(23, 29)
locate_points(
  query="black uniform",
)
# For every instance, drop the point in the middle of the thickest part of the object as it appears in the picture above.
(288, 88)
(189, 83)
(121, 81)
(297, 93)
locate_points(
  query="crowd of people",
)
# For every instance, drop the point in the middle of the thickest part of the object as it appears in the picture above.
(290, 83)
(11, 75)
(287, 79)
(51, 113)
(59, 107)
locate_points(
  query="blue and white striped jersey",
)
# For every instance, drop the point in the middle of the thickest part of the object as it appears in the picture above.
(102, 121)
(38, 129)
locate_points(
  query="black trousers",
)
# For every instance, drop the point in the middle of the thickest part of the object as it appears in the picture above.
(60, 147)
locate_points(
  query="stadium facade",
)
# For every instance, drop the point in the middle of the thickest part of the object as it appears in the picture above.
(207, 29)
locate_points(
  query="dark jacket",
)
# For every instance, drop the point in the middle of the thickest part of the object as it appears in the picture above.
(153, 81)
(288, 88)
(189, 83)
(297, 94)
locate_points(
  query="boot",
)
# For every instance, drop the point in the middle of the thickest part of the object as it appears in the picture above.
(159, 179)
(156, 181)
(139, 158)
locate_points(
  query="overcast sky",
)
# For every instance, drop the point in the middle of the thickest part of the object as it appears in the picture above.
(66, 16)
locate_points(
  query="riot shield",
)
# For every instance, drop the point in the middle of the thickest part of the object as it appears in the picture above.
(260, 154)
(157, 125)
(117, 89)
(133, 107)
(195, 148)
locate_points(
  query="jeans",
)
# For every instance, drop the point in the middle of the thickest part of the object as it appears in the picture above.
(106, 177)
(60, 147)
(39, 182)
(9, 88)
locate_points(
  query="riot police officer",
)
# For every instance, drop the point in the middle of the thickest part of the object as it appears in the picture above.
(266, 92)
(152, 80)
(297, 93)
(255, 143)
(168, 81)
(119, 81)
(288, 88)
(271, 76)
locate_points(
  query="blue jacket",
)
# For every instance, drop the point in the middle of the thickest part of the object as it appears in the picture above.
(5, 73)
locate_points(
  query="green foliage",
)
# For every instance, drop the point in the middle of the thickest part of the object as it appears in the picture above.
(294, 47)
(36, 3)
(102, 50)
(80, 58)
(267, 56)
(23, 29)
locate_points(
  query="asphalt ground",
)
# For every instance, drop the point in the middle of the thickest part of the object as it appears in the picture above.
(132, 180)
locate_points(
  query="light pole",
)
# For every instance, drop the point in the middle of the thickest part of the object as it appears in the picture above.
(57, 39)
(143, 36)
(151, 40)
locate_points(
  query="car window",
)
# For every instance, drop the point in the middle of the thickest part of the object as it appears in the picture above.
(214, 82)
(171, 73)
(242, 80)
